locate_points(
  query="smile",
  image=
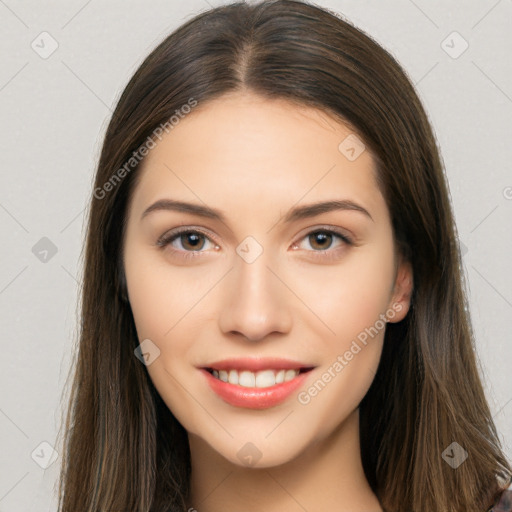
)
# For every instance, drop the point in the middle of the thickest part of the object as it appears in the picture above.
(254, 390)
(261, 379)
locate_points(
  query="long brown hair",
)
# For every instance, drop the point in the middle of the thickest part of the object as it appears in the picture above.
(123, 448)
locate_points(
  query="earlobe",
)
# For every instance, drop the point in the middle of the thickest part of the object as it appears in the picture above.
(402, 292)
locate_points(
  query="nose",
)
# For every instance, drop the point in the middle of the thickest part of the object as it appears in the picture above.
(256, 301)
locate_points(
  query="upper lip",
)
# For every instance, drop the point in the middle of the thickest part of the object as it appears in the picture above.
(257, 364)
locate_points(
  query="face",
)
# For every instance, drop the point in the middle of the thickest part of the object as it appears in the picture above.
(253, 280)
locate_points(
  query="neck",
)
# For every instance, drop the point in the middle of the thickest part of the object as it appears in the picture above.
(328, 474)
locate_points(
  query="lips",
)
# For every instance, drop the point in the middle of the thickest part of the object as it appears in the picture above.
(255, 383)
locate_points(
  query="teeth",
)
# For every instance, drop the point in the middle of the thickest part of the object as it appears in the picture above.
(246, 379)
(261, 379)
(266, 378)
(233, 377)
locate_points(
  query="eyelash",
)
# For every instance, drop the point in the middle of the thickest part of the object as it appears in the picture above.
(169, 237)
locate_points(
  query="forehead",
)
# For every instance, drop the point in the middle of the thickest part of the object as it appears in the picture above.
(255, 151)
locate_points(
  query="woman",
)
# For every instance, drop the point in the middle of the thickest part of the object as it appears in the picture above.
(273, 310)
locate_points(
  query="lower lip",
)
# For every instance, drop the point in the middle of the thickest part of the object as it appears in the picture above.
(254, 398)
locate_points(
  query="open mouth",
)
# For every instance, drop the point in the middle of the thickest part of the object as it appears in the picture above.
(260, 379)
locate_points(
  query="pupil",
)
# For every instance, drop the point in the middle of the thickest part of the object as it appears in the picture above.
(195, 240)
(322, 237)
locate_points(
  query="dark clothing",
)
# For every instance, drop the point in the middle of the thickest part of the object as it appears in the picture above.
(504, 503)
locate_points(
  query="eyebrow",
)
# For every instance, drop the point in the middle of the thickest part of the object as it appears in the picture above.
(293, 215)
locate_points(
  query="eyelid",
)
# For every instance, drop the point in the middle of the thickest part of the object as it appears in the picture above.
(342, 233)
(174, 233)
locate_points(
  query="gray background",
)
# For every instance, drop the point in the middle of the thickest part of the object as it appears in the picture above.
(54, 113)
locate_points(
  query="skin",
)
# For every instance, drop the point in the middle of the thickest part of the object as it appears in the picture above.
(254, 159)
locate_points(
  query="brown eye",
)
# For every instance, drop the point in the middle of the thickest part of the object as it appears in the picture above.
(322, 244)
(192, 240)
(320, 240)
(186, 242)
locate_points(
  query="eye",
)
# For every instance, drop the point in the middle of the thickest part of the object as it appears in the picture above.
(192, 241)
(322, 240)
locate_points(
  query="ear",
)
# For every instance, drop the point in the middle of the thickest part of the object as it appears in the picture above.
(400, 301)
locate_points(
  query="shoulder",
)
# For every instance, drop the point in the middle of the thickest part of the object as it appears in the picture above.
(504, 503)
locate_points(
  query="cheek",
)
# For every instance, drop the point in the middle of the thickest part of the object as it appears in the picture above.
(169, 308)
(159, 298)
(350, 297)
(162, 304)
(352, 309)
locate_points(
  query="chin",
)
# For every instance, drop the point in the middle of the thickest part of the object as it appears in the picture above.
(257, 452)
